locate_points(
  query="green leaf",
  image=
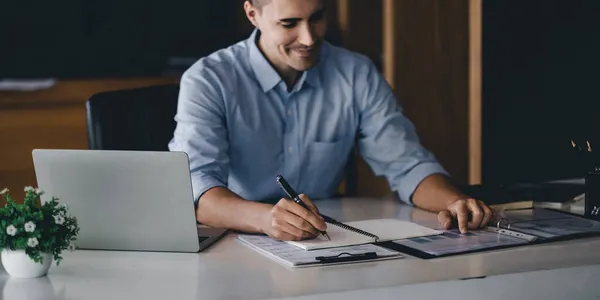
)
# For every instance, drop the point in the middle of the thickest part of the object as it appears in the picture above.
(52, 238)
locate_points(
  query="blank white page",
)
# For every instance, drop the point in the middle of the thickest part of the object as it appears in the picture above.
(339, 237)
(393, 229)
(385, 229)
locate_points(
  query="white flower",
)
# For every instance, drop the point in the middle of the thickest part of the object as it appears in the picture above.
(11, 230)
(32, 242)
(64, 205)
(29, 227)
(4, 191)
(39, 191)
(28, 188)
(59, 220)
(71, 247)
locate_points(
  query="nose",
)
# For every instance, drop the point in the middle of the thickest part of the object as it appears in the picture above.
(306, 36)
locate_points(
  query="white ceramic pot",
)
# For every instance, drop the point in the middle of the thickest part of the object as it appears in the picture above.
(18, 264)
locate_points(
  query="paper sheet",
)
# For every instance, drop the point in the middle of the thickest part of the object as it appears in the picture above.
(339, 238)
(385, 229)
(452, 241)
(549, 224)
(292, 256)
(26, 85)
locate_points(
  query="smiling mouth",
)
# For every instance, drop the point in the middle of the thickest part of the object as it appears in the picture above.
(304, 52)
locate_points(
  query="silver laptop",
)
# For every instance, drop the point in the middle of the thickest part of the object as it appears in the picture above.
(125, 200)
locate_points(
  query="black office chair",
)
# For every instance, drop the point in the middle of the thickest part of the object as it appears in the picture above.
(133, 119)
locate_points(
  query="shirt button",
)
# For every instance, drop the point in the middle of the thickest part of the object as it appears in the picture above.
(290, 149)
(290, 112)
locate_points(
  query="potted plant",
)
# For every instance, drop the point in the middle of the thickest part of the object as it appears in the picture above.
(32, 234)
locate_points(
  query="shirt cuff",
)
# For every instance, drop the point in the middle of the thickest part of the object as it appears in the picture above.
(409, 183)
(202, 183)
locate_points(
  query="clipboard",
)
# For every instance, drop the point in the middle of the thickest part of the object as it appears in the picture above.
(296, 257)
(514, 229)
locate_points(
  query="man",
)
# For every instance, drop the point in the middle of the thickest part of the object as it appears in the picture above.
(286, 102)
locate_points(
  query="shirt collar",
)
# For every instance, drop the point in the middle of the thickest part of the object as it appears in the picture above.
(313, 74)
(266, 74)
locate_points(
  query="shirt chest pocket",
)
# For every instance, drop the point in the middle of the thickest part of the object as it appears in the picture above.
(324, 166)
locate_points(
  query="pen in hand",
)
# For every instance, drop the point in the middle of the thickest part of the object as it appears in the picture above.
(294, 196)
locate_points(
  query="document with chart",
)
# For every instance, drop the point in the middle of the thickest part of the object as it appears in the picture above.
(548, 224)
(293, 256)
(515, 228)
(452, 241)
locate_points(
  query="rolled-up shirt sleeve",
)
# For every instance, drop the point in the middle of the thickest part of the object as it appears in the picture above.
(387, 140)
(201, 130)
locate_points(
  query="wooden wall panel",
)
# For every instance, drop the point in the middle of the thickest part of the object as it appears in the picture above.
(53, 118)
(475, 92)
(427, 63)
(30, 128)
(361, 30)
(360, 24)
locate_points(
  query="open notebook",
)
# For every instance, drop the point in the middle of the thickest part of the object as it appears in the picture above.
(364, 232)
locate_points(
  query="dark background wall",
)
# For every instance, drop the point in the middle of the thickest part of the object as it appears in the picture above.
(98, 38)
(540, 78)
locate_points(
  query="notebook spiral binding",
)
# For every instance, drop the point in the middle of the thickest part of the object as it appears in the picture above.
(354, 229)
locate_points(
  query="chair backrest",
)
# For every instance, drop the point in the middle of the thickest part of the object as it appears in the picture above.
(132, 119)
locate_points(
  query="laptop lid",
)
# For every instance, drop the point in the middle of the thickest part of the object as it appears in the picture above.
(123, 200)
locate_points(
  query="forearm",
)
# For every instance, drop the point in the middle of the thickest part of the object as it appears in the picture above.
(435, 193)
(219, 207)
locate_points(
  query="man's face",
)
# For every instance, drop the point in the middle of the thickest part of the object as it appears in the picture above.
(292, 31)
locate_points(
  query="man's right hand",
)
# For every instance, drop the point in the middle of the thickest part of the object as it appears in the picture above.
(289, 221)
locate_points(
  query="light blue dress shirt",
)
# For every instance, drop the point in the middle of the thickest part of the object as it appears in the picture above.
(240, 127)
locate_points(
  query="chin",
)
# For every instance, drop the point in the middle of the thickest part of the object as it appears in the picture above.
(302, 67)
(303, 64)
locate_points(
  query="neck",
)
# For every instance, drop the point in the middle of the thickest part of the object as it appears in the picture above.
(289, 75)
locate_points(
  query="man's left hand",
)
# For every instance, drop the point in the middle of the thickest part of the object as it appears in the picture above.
(470, 214)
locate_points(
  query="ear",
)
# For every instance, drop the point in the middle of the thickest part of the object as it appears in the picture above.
(251, 12)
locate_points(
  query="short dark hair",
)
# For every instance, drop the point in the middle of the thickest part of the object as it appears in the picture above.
(259, 3)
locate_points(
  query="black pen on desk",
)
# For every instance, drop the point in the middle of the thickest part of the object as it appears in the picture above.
(294, 196)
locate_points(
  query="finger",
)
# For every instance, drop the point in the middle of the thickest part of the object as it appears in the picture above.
(445, 219)
(280, 212)
(487, 214)
(310, 204)
(299, 223)
(476, 213)
(283, 236)
(286, 228)
(305, 214)
(462, 214)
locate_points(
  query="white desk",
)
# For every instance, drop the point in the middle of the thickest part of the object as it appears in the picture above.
(231, 270)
